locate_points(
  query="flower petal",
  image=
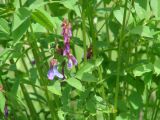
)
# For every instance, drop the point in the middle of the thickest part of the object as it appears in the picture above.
(74, 60)
(51, 74)
(70, 64)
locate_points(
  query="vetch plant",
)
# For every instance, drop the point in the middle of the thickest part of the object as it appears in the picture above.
(113, 46)
(53, 71)
(67, 34)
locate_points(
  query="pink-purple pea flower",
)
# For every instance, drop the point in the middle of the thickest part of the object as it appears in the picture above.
(67, 34)
(71, 61)
(66, 31)
(53, 71)
(66, 49)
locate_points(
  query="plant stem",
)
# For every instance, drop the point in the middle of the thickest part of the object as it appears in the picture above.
(107, 30)
(84, 34)
(146, 102)
(29, 102)
(156, 111)
(93, 31)
(42, 80)
(119, 59)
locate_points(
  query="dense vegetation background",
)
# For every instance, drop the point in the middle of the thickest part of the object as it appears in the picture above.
(79, 59)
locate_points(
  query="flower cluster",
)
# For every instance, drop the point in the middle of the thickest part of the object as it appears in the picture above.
(67, 34)
(53, 71)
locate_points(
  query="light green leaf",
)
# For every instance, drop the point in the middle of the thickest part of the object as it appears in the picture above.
(141, 13)
(43, 19)
(157, 66)
(140, 70)
(75, 83)
(39, 3)
(20, 16)
(88, 77)
(21, 23)
(98, 61)
(155, 5)
(2, 102)
(21, 30)
(142, 31)
(88, 67)
(4, 26)
(55, 88)
(119, 16)
(70, 4)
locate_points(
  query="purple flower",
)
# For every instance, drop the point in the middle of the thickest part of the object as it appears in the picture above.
(66, 49)
(53, 70)
(66, 31)
(71, 61)
(67, 34)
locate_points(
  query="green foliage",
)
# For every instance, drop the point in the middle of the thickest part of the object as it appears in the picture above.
(2, 103)
(118, 79)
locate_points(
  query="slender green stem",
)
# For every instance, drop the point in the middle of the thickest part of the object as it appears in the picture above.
(93, 31)
(27, 98)
(146, 102)
(29, 102)
(119, 59)
(84, 34)
(156, 111)
(107, 29)
(42, 81)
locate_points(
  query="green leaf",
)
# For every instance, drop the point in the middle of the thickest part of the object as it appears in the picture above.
(21, 30)
(122, 116)
(91, 104)
(148, 79)
(21, 23)
(140, 70)
(4, 26)
(157, 66)
(55, 88)
(135, 100)
(119, 16)
(43, 19)
(2, 102)
(15, 87)
(155, 5)
(141, 13)
(39, 3)
(88, 67)
(142, 31)
(20, 16)
(88, 77)
(75, 83)
(70, 4)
